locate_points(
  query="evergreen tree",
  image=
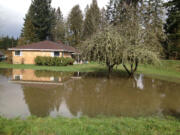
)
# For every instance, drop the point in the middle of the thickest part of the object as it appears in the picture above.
(153, 18)
(103, 20)
(75, 23)
(38, 22)
(42, 17)
(172, 28)
(92, 20)
(58, 31)
(117, 8)
(7, 42)
(28, 31)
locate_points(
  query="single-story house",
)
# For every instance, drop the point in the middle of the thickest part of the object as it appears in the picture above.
(26, 54)
(29, 76)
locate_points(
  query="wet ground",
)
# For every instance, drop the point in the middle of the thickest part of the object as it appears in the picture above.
(44, 93)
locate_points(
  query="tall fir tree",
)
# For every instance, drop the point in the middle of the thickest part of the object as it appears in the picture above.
(38, 21)
(28, 31)
(42, 18)
(117, 8)
(92, 20)
(103, 19)
(58, 30)
(153, 17)
(172, 28)
(75, 23)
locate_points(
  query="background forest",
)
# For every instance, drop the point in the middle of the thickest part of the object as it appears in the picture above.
(43, 22)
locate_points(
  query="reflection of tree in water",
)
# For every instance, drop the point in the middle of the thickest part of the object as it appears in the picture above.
(102, 96)
(42, 99)
(170, 98)
(109, 97)
(6, 72)
(93, 96)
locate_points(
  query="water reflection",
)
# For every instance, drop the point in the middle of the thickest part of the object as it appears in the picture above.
(89, 95)
(139, 81)
(12, 100)
(30, 75)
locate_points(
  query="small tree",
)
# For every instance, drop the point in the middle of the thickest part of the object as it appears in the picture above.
(104, 48)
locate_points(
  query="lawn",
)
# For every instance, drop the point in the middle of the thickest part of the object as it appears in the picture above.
(167, 69)
(90, 126)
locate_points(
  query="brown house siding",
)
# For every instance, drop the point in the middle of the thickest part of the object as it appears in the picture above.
(28, 57)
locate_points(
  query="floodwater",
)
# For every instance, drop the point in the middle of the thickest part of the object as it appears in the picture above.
(42, 93)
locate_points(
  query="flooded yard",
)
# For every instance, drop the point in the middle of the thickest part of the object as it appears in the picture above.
(45, 93)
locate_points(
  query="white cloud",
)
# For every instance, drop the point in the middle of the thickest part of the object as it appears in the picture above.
(12, 12)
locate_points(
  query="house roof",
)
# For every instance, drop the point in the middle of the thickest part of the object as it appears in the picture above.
(46, 46)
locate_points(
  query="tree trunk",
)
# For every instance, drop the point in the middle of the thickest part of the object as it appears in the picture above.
(129, 73)
(131, 68)
(110, 68)
(136, 66)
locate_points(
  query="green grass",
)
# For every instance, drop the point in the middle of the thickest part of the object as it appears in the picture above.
(168, 69)
(90, 126)
(92, 67)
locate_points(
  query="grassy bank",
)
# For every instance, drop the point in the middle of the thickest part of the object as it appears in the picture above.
(90, 126)
(168, 68)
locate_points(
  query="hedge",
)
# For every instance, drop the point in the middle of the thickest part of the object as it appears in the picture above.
(53, 61)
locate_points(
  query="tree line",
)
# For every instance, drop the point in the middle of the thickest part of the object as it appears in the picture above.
(130, 18)
(43, 22)
(8, 42)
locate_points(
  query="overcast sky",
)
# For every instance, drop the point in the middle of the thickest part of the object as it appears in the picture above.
(12, 12)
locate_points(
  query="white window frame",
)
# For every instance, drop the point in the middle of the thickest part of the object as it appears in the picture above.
(52, 54)
(20, 53)
(20, 77)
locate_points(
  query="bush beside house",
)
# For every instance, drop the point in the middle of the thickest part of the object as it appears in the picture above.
(53, 61)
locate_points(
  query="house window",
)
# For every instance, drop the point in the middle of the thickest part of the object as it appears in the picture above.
(54, 79)
(17, 53)
(56, 54)
(17, 77)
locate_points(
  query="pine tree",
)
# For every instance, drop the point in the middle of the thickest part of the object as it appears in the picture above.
(58, 30)
(116, 10)
(75, 23)
(38, 21)
(153, 18)
(172, 28)
(42, 16)
(103, 19)
(92, 20)
(28, 31)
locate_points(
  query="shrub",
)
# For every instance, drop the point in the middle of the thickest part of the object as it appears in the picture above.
(53, 61)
